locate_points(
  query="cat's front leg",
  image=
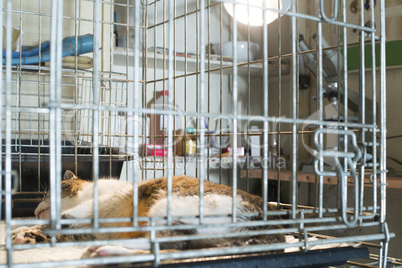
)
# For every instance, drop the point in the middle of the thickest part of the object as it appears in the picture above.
(30, 235)
(111, 250)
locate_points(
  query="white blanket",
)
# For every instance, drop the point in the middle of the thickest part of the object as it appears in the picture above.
(74, 253)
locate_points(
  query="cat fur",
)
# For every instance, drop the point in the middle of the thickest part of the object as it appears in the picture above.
(116, 201)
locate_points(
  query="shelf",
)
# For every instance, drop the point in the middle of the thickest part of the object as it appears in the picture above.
(213, 162)
(286, 175)
(213, 65)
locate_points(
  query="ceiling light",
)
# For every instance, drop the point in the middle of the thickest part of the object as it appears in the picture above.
(253, 15)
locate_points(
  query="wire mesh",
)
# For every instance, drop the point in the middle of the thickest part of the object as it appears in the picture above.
(181, 87)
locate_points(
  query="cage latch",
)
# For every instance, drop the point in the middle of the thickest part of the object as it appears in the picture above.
(334, 157)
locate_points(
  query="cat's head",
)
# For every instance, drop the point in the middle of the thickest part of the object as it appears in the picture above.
(70, 187)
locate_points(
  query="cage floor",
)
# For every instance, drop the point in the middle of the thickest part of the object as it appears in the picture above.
(50, 254)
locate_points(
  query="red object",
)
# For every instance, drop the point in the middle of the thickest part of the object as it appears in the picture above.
(154, 150)
(158, 152)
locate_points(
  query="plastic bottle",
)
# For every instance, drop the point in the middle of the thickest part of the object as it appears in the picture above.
(159, 122)
(191, 144)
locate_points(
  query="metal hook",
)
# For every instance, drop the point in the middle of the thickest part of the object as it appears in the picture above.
(324, 16)
(344, 184)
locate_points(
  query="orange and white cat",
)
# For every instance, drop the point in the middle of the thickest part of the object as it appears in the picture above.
(116, 201)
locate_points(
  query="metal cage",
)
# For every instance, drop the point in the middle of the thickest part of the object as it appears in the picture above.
(292, 110)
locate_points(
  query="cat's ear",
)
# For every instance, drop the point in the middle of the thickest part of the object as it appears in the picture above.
(69, 175)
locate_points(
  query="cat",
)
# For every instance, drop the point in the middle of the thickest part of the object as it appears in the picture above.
(116, 200)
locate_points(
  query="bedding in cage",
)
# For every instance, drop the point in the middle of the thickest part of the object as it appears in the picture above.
(344, 167)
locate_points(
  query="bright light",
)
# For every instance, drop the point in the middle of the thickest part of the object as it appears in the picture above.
(255, 14)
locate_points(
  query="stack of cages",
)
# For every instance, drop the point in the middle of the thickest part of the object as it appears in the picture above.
(265, 103)
(34, 79)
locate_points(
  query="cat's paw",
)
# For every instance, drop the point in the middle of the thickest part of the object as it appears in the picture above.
(110, 250)
(28, 235)
(67, 216)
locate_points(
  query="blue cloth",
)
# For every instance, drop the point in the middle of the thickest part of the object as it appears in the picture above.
(84, 45)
